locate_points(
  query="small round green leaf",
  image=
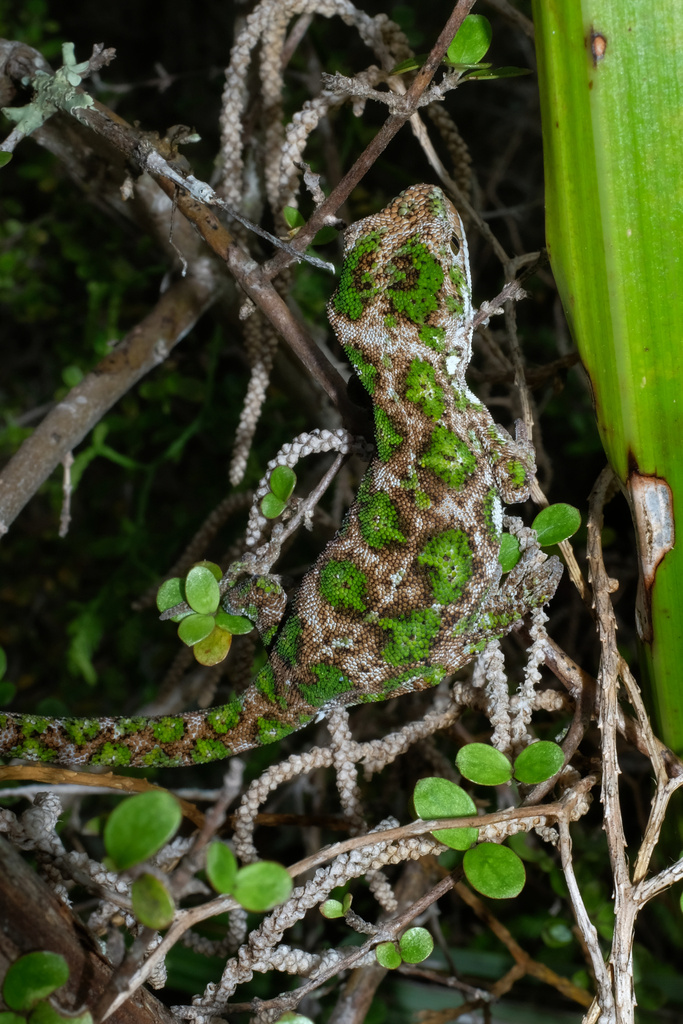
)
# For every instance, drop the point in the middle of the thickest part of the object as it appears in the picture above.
(5, 158)
(483, 764)
(72, 376)
(235, 624)
(293, 1018)
(214, 648)
(5, 1016)
(494, 871)
(388, 956)
(538, 762)
(221, 867)
(44, 1013)
(271, 506)
(556, 934)
(411, 64)
(139, 826)
(555, 523)
(3, 662)
(604, 921)
(416, 945)
(152, 902)
(326, 235)
(582, 979)
(213, 568)
(509, 553)
(472, 41)
(33, 977)
(195, 627)
(170, 593)
(331, 909)
(262, 886)
(528, 851)
(282, 482)
(202, 592)
(441, 798)
(293, 217)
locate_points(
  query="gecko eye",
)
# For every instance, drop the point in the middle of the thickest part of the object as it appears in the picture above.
(455, 244)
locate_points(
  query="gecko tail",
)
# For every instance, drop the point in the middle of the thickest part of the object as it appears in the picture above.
(168, 741)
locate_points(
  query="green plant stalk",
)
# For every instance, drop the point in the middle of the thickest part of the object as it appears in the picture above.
(612, 109)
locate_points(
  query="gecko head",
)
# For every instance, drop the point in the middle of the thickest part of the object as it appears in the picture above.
(405, 289)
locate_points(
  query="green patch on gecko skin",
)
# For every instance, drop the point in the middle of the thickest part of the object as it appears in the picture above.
(475, 443)
(387, 437)
(31, 725)
(287, 645)
(462, 402)
(209, 750)
(265, 684)
(270, 730)
(267, 585)
(343, 585)
(436, 204)
(413, 636)
(493, 514)
(331, 683)
(379, 519)
(422, 676)
(498, 443)
(129, 726)
(412, 483)
(356, 289)
(81, 730)
(433, 337)
(497, 620)
(517, 473)
(421, 388)
(34, 750)
(466, 624)
(365, 370)
(268, 634)
(448, 557)
(113, 754)
(168, 729)
(224, 718)
(454, 303)
(390, 322)
(416, 281)
(157, 758)
(458, 279)
(477, 648)
(449, 458)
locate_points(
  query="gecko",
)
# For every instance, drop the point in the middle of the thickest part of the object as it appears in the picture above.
(410, 588)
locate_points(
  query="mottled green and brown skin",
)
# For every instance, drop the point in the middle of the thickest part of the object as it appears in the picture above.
(410, 588)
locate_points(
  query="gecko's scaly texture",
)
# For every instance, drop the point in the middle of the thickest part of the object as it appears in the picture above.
(410, 588)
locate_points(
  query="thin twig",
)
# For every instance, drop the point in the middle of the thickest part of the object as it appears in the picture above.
(585, 924)
(381, 140)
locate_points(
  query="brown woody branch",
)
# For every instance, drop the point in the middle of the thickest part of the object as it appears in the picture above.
(70, 420)
(32, 917)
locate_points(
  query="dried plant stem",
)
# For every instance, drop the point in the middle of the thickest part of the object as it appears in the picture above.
(65, 426)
